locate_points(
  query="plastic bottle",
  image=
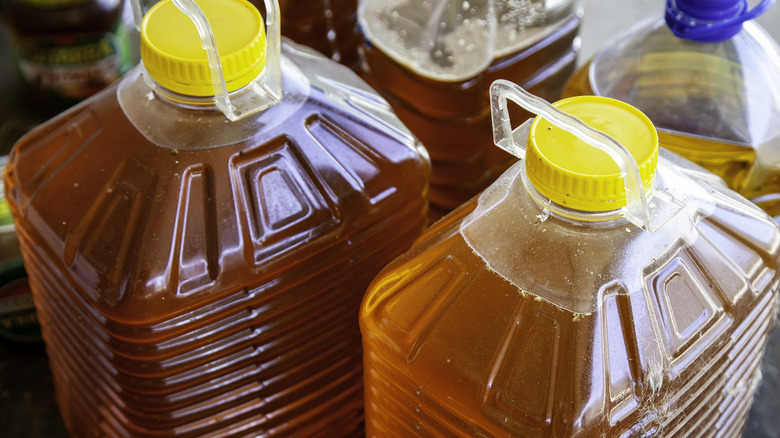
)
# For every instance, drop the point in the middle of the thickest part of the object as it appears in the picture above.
(67, 50)
(561, 303)
(199, 273)
(434, 61)
(707, 77)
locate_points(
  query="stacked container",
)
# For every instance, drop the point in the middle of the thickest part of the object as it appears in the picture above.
(435, 60)
(200, 235)
(576, 297)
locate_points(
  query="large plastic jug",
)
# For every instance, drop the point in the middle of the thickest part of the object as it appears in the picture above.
(434, 61)
(199, 273)
(566, 301)
(707, 78)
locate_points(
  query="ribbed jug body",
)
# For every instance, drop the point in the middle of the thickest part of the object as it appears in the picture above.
(203, 278)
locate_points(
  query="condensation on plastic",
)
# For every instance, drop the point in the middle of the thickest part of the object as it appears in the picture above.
(637, 209)
(265, 91)
(452, 40)
(726, 92)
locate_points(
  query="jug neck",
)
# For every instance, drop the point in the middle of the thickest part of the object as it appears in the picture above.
(206, 103)
(548, 207)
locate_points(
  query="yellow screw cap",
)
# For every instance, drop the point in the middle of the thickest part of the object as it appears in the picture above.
(572, 173)
(173, 56)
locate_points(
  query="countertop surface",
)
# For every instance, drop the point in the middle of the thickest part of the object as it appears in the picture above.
(27, 406)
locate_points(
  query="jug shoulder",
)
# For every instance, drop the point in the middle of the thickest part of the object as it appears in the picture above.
(134, 223)
(667, 322)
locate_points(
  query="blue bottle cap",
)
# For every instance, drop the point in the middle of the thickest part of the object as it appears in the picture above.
(710, 20)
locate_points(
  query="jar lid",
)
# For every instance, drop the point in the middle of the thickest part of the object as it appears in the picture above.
(710, 20)
(576, 175)
(174, 57)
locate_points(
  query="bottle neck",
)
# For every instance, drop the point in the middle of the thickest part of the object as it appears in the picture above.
(206, 103)
(249, 99)
(183, 124)
(606, 218)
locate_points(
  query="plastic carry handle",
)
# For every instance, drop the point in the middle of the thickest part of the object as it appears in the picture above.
(272, 80)
(221, 97)
(138, 13)
(637, 210)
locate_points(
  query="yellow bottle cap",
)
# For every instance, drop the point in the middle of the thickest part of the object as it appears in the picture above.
(173, 56)
(574, 174)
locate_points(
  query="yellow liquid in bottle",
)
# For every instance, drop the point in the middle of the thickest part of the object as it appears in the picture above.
(593, 330)
(734, 161)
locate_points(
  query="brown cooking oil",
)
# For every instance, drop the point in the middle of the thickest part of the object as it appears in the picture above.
(444, 100)
(509, 319)
(198, 276)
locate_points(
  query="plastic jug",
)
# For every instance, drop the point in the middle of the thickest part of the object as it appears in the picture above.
(434, 61)
(199, 273)
(324, 25)
(576, 297)
(59, 53)
(707, 78)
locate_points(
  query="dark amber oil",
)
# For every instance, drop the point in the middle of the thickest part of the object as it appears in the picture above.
(452, 118)
(211, 290)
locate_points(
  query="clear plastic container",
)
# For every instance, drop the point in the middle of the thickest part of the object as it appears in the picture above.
(709, 85)
(199, 273)
(434, 61)
(563, 301)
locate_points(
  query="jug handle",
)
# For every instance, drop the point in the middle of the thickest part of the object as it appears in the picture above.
(637, 209)
(272, 80)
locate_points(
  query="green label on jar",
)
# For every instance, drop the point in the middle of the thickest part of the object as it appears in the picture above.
(73, 67)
